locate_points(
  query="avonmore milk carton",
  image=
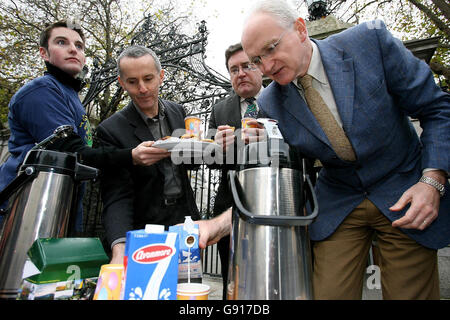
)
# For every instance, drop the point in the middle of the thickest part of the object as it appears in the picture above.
(151, 264)
(189, 257)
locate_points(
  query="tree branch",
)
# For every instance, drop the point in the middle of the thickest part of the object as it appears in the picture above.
(443, 6)
(365, 6)
(434, 18)
(441, 69)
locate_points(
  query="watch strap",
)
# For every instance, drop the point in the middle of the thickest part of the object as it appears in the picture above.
(430, 181)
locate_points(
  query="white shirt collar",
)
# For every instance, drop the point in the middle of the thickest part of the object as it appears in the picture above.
(316, 69)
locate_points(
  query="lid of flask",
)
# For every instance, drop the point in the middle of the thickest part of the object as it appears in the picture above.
(49, 160)
(273, 153)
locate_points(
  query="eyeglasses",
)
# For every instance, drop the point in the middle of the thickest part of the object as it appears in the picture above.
(246, 67)
(268, 51)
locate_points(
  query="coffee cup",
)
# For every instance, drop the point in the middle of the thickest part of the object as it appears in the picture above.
(192, 291)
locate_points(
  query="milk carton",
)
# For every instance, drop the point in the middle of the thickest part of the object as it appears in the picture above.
(151, 264)
(189, 260)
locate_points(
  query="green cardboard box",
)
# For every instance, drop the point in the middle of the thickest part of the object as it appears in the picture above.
(65, 259)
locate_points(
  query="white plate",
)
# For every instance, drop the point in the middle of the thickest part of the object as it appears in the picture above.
(186, 145)
(195, 146)
(168, 144)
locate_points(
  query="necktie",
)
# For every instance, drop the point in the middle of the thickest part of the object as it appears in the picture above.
(323, 115)
(251, 111)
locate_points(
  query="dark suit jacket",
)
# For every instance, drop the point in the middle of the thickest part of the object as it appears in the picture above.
(225, 112)
(133, 196)
(377, 84)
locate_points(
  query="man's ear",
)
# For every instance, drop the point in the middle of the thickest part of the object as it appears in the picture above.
(161, 76)
(43, 53)
(120, 82)
(300, 27)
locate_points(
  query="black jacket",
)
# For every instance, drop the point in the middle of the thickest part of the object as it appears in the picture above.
(133, 196)
(225, 112)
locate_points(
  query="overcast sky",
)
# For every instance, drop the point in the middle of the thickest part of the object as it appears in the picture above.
(224, 22)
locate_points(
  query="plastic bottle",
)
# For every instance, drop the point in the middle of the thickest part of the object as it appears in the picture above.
(189, 225)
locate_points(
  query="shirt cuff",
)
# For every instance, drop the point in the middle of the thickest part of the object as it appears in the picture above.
(433, 169)
(120, 240)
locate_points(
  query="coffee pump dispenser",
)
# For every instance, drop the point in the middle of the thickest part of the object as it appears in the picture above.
(40, 201)
(270, 246)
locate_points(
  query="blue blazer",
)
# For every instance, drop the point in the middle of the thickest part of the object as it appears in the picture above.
(377, 83)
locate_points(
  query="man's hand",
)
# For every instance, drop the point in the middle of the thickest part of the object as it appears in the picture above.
(146, 155)
(118, 252)
(211, 231)
(255, 133)
(225, 137)
(424, 204)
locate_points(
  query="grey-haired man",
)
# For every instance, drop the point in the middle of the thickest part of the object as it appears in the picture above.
(156, 194)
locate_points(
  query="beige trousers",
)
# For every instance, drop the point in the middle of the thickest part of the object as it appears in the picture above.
(408, 270)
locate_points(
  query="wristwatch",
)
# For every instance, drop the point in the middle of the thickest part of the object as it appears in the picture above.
(439, 186)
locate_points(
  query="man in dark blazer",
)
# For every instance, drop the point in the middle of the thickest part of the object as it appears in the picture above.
(156, 194)
(390, 182)
(246, 81)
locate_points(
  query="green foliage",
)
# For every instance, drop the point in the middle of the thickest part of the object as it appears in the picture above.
(424, 22)
(7, 89)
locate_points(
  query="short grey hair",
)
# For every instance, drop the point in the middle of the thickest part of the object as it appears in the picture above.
(281, 10)
(136, 51)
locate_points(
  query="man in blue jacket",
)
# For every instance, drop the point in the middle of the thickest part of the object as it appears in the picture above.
(346, 100)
